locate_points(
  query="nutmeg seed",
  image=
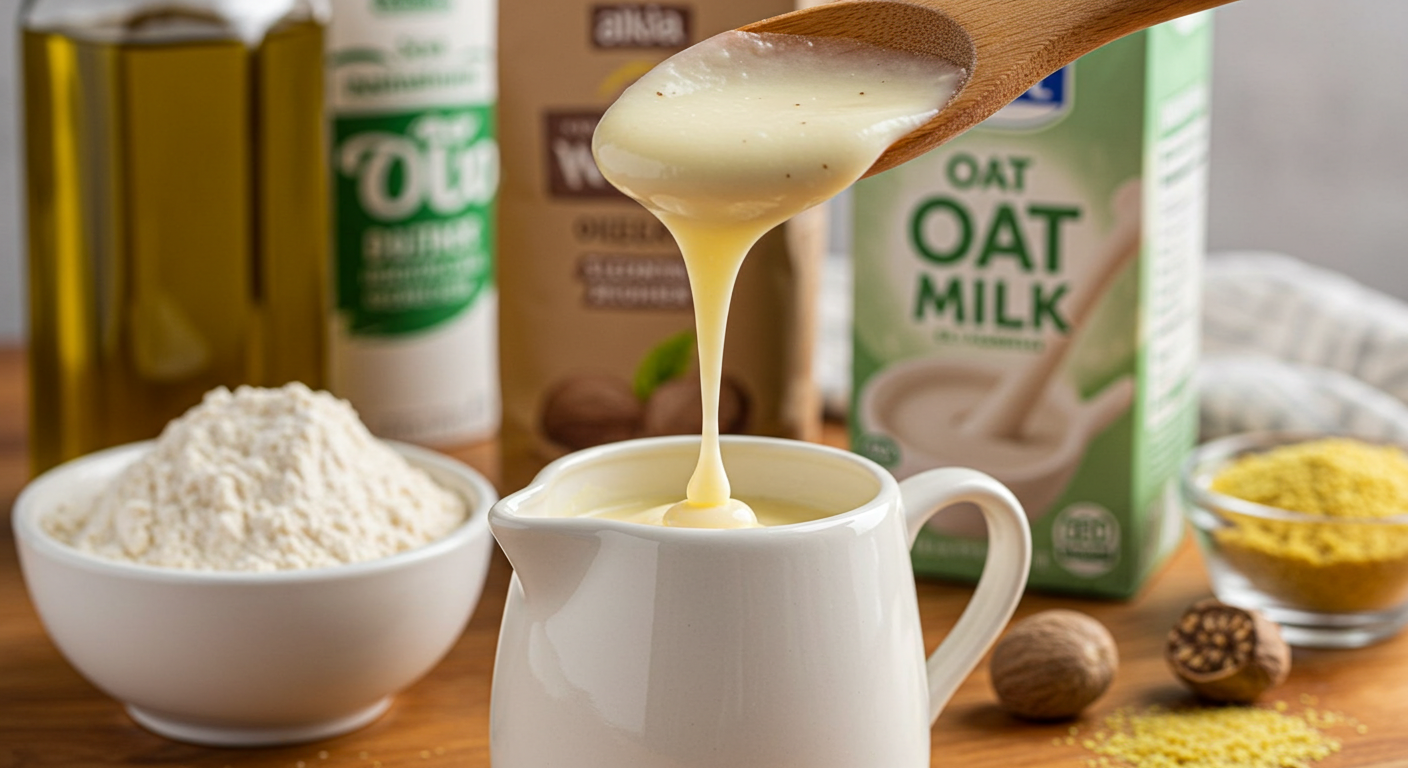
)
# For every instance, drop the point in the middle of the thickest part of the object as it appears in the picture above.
(1053, 664)
(1227, 654)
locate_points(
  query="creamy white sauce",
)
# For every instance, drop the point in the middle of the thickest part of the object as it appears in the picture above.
(766, 512)
(728, 139)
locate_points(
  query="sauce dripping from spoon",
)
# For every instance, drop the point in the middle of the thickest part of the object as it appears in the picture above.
(733, 136)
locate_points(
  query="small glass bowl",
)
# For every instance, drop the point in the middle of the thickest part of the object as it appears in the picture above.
(1330, 582)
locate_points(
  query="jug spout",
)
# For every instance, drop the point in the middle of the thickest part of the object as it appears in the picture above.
(549, 556)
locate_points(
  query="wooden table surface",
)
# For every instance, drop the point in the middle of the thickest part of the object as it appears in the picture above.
(50, 716)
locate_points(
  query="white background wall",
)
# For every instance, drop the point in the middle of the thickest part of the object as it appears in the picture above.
(1310, 134)
(1309, 140)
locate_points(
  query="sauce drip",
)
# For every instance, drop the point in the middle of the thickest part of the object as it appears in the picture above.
(733, 136)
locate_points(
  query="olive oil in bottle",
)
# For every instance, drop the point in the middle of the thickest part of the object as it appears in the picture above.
(177, 211)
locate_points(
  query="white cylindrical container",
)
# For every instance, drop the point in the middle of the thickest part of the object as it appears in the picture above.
(415, 170)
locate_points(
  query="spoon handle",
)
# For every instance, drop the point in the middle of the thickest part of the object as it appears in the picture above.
(1016, 43)
(1048, 34)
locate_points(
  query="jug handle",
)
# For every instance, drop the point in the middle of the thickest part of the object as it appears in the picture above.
(1004, 572)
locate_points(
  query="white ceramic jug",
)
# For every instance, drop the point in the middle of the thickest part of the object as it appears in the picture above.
(799, 646)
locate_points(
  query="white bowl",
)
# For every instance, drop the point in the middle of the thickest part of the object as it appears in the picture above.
(246, 659)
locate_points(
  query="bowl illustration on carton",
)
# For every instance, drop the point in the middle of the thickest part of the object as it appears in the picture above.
(916, 410)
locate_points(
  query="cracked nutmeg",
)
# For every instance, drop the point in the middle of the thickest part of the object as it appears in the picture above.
(1227, 654)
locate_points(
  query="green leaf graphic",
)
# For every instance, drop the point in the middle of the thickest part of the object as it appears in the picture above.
(669, 360)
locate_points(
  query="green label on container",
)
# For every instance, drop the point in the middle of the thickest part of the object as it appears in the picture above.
(415, 216)
(411, 5)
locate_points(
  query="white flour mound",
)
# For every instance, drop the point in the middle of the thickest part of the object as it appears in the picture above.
(262, 480)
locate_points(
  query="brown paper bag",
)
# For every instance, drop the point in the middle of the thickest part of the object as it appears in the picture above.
(596, 323)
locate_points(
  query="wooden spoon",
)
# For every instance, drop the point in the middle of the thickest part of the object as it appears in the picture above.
(1007, 46)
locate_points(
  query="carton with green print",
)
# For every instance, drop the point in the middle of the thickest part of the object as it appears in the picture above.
(415, 164)
(1026, 305)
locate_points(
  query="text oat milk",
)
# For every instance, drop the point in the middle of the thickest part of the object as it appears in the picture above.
(1026, 304)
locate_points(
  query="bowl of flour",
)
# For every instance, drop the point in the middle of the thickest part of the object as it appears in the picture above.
(264, 572)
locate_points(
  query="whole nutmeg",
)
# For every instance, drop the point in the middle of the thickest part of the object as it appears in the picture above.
(1227, 654)
(1053, 664)
(677, 407)
(583, 411)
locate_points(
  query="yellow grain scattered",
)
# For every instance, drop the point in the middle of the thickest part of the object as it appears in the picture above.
(1211, 737)
(1324, 718)
(1336, 565)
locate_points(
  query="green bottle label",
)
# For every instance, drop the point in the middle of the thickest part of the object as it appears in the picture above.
(415, 216)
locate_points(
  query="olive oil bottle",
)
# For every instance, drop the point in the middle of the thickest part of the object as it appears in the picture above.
(177, 210)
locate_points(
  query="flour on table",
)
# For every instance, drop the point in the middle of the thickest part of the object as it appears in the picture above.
(262, 480)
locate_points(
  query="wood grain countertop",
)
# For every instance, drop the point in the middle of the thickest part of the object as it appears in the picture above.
(50, 716)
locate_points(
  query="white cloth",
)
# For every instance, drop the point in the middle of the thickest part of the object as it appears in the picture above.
(1290, 346)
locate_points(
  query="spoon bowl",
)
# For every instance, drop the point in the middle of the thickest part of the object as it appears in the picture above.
(1006, 47)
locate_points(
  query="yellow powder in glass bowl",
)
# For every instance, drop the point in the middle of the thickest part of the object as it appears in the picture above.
(1344, 555)
(1333, 477)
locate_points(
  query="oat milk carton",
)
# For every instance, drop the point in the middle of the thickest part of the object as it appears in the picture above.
(1027, 303)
